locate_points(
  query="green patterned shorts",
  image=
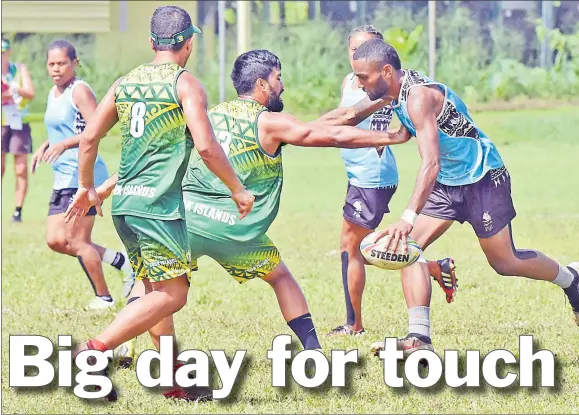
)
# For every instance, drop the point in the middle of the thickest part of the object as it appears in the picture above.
(242, 260)
(158, 249)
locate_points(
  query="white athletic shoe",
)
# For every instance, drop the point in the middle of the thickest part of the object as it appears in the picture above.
(98, 303)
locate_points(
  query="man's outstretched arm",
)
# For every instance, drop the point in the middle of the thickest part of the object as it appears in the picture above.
(353, 115)
(278, 128)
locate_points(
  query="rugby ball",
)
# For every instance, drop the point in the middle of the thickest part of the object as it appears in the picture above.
(376, 254)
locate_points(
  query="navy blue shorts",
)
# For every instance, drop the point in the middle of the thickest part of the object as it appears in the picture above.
(60, 200)
(17, 141)
(367, 207)
(487, 204)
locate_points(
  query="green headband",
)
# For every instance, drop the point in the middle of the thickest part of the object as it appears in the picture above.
(177, 37)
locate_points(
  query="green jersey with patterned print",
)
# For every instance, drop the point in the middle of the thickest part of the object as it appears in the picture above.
(156, 143)
(209, 208)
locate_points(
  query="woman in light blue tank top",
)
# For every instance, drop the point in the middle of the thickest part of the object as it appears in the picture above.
(372, 180)
(70, 102)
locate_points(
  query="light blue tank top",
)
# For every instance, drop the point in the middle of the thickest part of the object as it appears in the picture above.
(63, 120)
(366, 167)
(466, 153)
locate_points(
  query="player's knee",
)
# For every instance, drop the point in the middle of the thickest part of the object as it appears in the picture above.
(20, 170)
(58, 245)
(272, 280)
(280, 273)
(177, 302)
(79, 246)
(173, 302)
(180, 302)
(350, 242)
(175, 293)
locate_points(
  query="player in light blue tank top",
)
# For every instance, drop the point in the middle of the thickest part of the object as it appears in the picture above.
(462, 178)
(63, 120)
(70, 101)
(372, 181)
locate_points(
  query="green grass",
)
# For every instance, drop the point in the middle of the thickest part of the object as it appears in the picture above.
(43, 292)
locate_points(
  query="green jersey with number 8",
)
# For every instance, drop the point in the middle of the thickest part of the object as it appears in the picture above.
(155, 146)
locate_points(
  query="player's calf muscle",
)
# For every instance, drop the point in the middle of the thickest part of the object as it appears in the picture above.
(530, 264)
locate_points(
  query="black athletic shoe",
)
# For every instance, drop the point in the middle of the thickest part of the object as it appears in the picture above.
(17, 217)
(572, 292)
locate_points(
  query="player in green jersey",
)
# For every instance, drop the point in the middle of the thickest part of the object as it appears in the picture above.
(161, 109)
(252, 131)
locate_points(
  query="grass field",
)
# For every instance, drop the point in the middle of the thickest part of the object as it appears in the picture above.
(43, 293)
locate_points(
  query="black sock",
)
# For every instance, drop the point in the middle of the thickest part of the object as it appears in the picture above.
(106, 298)
(18, 209)
(350, 314)
(87, 275)
(119, 261)
(303, 327)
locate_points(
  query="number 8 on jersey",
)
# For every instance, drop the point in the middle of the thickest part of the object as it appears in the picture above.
(138, 112)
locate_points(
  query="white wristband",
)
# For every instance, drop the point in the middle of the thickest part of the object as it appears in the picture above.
(409, 216)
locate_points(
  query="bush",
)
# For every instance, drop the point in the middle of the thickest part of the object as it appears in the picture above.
(314, 62)
(482, 69)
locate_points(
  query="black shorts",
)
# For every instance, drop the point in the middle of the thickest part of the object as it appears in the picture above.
(60, 200)
(487, 204)
(367, 207)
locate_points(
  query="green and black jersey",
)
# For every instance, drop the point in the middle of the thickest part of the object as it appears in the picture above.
(210, 211)
(156, 143)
